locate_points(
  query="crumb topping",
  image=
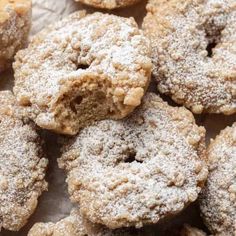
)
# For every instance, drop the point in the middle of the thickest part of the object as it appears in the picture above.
(137, 170)
(218, 199)
(81, 69)
(22, 166)
(193, 51)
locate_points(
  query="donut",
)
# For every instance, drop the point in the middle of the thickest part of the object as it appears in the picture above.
(15, 20)
(22, 166)
(84, 68)
(218, 198)
(108, 4)
(138, 170)
(75, 225)
(194, 52)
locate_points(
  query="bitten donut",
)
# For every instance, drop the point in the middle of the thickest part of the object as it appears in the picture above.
(22, 166)
(194, 52)
(82, 69)
(108, 4)
(218, 199)
(15, 21)
(139, 170)
(75, 225)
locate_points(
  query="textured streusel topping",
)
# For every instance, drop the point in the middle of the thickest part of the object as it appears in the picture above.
(15, 21)
(75, 225)
(193, 51)
(22, 166)
(82, 69)
(137, 170)
(218, 199)
(109, 4)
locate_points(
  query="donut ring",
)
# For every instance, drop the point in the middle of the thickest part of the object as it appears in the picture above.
(194, 52)
(217, 201)
(82, 69)
(22, 166)
(114, 167)
(75, 225)
(108, 4)
(15, 21)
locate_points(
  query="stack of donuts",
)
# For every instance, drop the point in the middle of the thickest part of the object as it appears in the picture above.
(122, 99)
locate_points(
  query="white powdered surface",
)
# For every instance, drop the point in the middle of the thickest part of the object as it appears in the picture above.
(54, 204)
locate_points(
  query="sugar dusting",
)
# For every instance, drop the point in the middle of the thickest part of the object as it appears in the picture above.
(218, 199)
(138, 170)
(180, 32)
(99, 46)
(22, 166)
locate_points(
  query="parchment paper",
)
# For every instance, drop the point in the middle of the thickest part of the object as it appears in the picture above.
(54, 204)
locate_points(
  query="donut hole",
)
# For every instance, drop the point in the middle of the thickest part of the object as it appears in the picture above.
(82, 66)
(132, 158)
(213, 36)
(210, 48)
(76, 102)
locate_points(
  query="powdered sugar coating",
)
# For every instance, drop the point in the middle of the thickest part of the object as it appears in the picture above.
(51, 77)
(109, 4)
(181, 32)
(218, 199)
(75, 225)
(137, 170)
(22, 166)
(15, 21)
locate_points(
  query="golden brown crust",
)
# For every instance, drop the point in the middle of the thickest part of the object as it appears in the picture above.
(137, 170)
(108, 4)
(22, 166)
(186, 67)
(15, 21)
(72, 74)
(217, 201)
